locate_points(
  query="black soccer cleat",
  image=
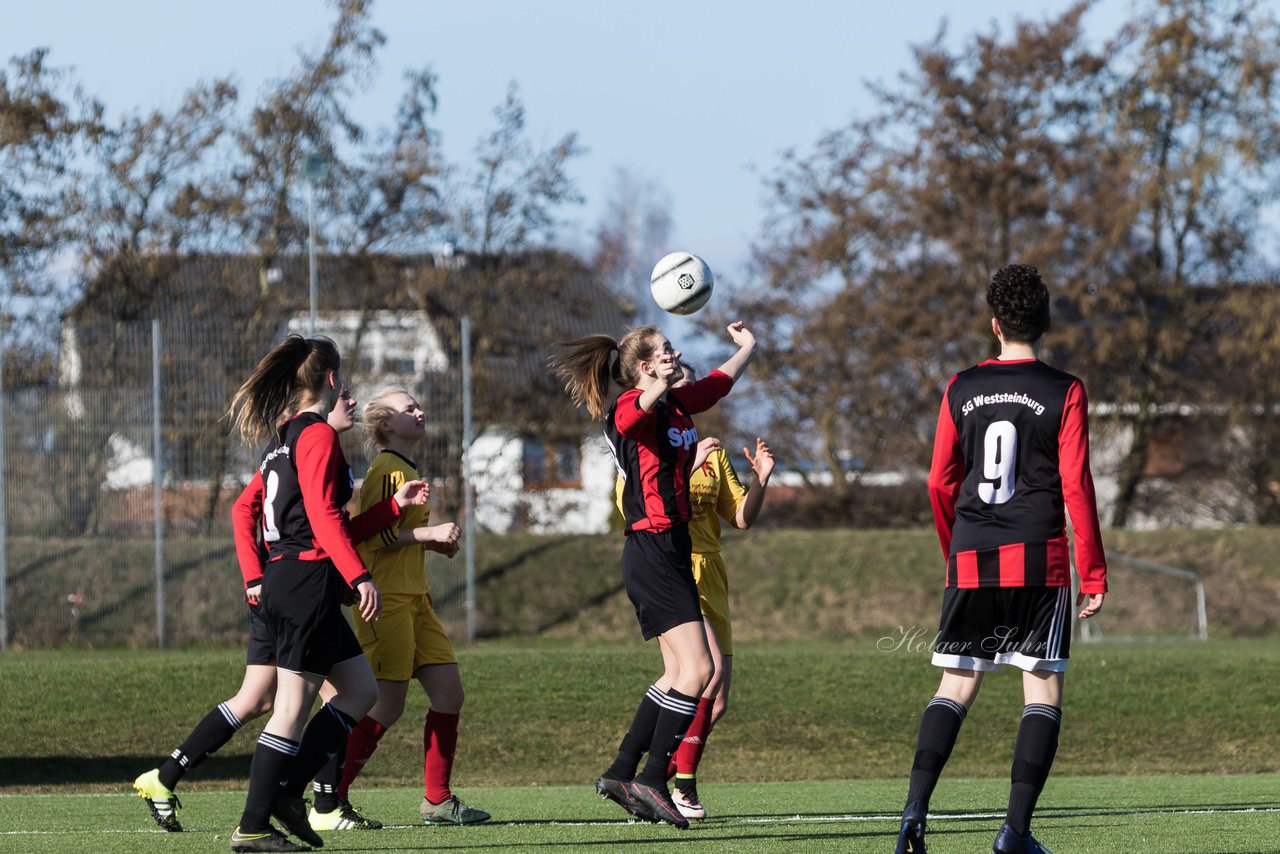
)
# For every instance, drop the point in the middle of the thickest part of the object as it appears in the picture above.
(616, 791)
(1009, 841)
(658, 802)
(292, 813)
(911, 833)
(270, 840)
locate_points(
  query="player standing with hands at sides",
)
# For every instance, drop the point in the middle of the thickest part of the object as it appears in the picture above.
(650, 429)
(258, 687)
(1010, 456)
(312, 569)
(408, 640)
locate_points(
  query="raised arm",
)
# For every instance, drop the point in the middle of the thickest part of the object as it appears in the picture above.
(761, 464)
(746, 341)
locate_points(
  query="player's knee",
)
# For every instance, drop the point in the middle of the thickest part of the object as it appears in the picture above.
(364, 697)
(702, 671)
(448, 701)
(263, 706)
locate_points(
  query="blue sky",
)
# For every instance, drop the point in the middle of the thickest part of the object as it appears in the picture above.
(699, 97)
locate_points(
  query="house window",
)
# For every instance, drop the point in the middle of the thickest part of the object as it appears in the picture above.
(552, 465)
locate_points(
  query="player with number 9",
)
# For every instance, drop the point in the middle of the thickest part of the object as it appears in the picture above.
(1010, 461)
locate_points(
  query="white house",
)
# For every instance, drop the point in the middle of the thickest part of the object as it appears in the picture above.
(542, 487)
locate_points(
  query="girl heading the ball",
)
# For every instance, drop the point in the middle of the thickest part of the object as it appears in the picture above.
(653, 439)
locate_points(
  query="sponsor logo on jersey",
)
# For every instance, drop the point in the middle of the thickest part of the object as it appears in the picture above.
(989, 399)
(682, 438)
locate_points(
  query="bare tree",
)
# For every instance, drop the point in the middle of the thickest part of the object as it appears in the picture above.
(1193, 137)
(630, 237)
(880, 242)
(513, 193)
(43, 119)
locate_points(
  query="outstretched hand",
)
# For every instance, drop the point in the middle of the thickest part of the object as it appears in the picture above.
(741, 335)
(762, 462)
(413, 492)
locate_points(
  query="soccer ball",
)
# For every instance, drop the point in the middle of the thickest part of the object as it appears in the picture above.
(681, 283)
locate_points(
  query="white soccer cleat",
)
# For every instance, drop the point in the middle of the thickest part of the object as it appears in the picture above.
(688, 802)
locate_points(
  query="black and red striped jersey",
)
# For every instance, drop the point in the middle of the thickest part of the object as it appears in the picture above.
(246, 526)
(654, 450)
(306, 485)
(1010, 460)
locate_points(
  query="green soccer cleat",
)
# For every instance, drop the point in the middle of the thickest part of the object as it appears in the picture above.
(452, 811)
(344, 817)
(162, 802)
(271, 840)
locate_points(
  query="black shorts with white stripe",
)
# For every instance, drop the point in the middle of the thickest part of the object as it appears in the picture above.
(985, 628)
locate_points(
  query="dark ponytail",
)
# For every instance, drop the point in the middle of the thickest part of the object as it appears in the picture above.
(588, 366)
(295, 371)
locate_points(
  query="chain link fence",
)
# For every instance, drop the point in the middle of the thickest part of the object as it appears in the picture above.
(90, 561)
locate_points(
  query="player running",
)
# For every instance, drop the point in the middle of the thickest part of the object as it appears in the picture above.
(1011, 454)
(312, 570)
(258, 688)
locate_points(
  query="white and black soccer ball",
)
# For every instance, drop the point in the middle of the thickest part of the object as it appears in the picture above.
(681, 283)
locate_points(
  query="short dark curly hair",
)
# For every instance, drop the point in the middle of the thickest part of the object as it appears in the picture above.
(1020, 301)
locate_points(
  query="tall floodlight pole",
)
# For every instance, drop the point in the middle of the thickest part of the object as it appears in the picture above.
(315, 169)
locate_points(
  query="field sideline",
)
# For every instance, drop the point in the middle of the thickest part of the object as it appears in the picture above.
(1167, 747)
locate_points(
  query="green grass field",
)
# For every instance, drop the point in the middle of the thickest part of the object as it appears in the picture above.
(1167, 747)
(1153, 815)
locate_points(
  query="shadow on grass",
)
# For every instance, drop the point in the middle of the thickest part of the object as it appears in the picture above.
(24, 771)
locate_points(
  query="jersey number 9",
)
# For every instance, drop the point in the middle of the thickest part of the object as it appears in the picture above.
(999, 462)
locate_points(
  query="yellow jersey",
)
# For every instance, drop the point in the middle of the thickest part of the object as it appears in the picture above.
(714, 492)
(396, 571)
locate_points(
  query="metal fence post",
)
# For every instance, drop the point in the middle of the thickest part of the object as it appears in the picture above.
(468, 490)
(157, 477)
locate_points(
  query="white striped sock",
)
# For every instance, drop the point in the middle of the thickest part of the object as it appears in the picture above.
(948, 703)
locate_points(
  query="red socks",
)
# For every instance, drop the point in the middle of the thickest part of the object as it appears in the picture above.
(687, 756)
(439, 743)
(361, 744)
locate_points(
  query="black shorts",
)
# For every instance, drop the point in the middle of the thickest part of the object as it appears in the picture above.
(302, 605)
(657, 571)
(262, 644)
(987, 627)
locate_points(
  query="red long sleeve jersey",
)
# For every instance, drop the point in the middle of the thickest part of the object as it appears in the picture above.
(306, 484)
(654, 450)
(246, 525)
(1011, 455)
